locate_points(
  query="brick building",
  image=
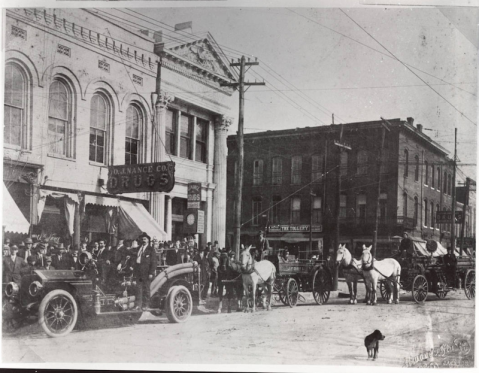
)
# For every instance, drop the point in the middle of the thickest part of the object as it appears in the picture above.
(290, 179)
(78, 99)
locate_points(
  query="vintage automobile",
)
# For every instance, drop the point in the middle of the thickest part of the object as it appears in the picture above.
(58, 298)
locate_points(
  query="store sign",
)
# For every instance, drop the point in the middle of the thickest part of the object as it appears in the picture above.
(145, 177)
(194, 221)
(469, 242)
(194, 195)
(294, 228)
(446, 217)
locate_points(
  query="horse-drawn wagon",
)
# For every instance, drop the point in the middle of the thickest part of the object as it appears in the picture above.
(434, 273)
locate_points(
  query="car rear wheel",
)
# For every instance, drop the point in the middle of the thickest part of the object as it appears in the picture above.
(179, 304)
(58, 313)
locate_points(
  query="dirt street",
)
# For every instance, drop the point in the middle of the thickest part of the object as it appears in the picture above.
(307, 334)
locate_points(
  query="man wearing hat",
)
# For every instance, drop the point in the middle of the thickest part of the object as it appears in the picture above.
(73, 260)
(202, 259)
(144, 269)
(215, 263)
(60, 260)
(262, 246)
(30, 267)
(12, 266)
(6, 250)
(27, 250)
(48, 264)
(41, 254)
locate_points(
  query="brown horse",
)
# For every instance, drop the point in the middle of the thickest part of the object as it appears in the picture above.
(229, 277)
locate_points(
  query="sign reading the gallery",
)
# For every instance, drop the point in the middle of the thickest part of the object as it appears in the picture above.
(194, 195)
(145, 177)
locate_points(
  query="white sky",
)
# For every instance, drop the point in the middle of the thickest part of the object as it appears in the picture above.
(312, 71)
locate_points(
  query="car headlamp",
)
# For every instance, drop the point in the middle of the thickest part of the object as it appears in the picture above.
(12, 289)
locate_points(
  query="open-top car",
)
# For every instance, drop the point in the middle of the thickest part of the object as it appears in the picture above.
(60, 297)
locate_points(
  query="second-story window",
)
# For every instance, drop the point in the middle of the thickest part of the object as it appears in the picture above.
(406, 162)
(426, 177)
(295, 210)
(258, 172)
(361, 207)
(438, 178)
(316, 168)
(362, 162)
(201, 136)
(14, 106)
(342, 205)
(426, 213)
(449, 185)
(383, 200)
(317, 210)
(59, 119)
(296, 168)
(185, 137)
(256, 211)
(134, 123)
(99, 126)
(416, 171)
(275, 210)
(416, 210)
(433, 220)
(170, 128)
(277, 171)
(432, 176)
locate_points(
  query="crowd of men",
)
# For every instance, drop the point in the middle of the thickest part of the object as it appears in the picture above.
(139, 258)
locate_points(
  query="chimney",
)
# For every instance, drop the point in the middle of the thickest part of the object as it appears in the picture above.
(185, 26)
(410, 121)
(419, 127)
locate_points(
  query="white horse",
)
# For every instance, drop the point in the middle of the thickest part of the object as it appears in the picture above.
(254, 273)
(352, 271)
(374, 270)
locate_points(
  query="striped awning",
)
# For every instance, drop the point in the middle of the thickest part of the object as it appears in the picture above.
(13, 219)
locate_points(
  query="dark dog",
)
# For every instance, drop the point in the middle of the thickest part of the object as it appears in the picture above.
(372, 344)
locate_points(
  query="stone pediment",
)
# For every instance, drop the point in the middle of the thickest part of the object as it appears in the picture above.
(206, 54)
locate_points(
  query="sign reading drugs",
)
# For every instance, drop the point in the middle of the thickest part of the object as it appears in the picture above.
(145, 177)
(194, 196)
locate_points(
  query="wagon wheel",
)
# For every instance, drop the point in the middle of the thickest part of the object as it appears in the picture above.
(385, 289)
(419, 289)
(470, 284)
(321, 286)
(292, 291)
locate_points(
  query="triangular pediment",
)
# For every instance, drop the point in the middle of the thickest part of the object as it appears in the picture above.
(206, 54)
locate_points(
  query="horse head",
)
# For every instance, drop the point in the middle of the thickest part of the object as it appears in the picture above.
(224, 262)
(341, 254)
(246, 259)
(367, 257)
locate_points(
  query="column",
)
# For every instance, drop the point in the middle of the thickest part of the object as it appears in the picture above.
(169, 212)
(222, 124)
(157, 201)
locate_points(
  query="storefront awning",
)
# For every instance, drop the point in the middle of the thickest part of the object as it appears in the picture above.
(294, 237)
(133, 219)
(102, 201)
(422, 251)
(13, 219)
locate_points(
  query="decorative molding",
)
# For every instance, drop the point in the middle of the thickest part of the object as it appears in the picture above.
(222, 123)
(164, 99)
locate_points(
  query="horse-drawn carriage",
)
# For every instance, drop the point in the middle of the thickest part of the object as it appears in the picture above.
(422, 274)
(302, 276)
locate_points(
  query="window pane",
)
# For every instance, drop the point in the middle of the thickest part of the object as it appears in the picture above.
(100, 138)
(14, 86)
(170, 118)
(317, 202)
(59, 105)
(185, 126)
(127, 145)
(13, 120)
(98, 112)
(184, 148)
(56, 136)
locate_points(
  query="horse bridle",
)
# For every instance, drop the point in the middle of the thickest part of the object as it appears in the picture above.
(249, 267)
(367, 266)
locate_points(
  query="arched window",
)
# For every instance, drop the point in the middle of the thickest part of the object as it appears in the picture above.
(362, 162)
(295, 210)
(416, 171)
(256, 209)
(317, 210)
(296, 167)
(277, 171)
(435, 224)
(433, 220)
(60, 131)
(404, 205)
(258, 172)
(416, 210)
(426, 177)
(15, 106)
(134, 126)
(99, 128)
(445, 183)
(438, 178)
(406, 162)
(432, 176)
(426, 210)
(316, 168)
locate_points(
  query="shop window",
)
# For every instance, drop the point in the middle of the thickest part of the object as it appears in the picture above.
(15, 106)
(343, 168)
(406, 162)
(317, 210)
(134, 124)
(361, 207)
(416, 171)
(275, 210)
(258, 172)
(342, 206)
(295, 210)
(277, 173)
(185, 136)
(59, 119)
(316, 168)
(296, 167)
(362, 162)
(256, 211)
(201, 137)
(99, 128)
(170, 128)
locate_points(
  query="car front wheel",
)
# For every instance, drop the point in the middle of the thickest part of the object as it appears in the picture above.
(58, 313)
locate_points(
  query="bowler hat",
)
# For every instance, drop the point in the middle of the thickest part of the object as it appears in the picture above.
(144, 234)
(28, 240)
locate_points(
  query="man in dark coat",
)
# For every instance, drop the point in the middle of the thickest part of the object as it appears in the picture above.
(41, 254)
(202, 259)
(450, 262)
(262, 246)
(27, 250)
(73, 260)
(406, 245)
(13, 266)
(104, 258)
(144, 269)
(173, 255)
(60, 260)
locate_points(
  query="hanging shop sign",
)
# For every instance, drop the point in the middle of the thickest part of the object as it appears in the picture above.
(194, 195)
(194, 221)
(145, 177)
(294, 228)
(446, 216)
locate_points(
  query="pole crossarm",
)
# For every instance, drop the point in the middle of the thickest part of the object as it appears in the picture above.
(343, 146)
(238, 64)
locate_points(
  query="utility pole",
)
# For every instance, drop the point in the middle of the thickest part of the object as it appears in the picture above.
(340, 146)
(311, 195)
(384, 127)
(240, 144)
(464, 210)
(453, 218)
